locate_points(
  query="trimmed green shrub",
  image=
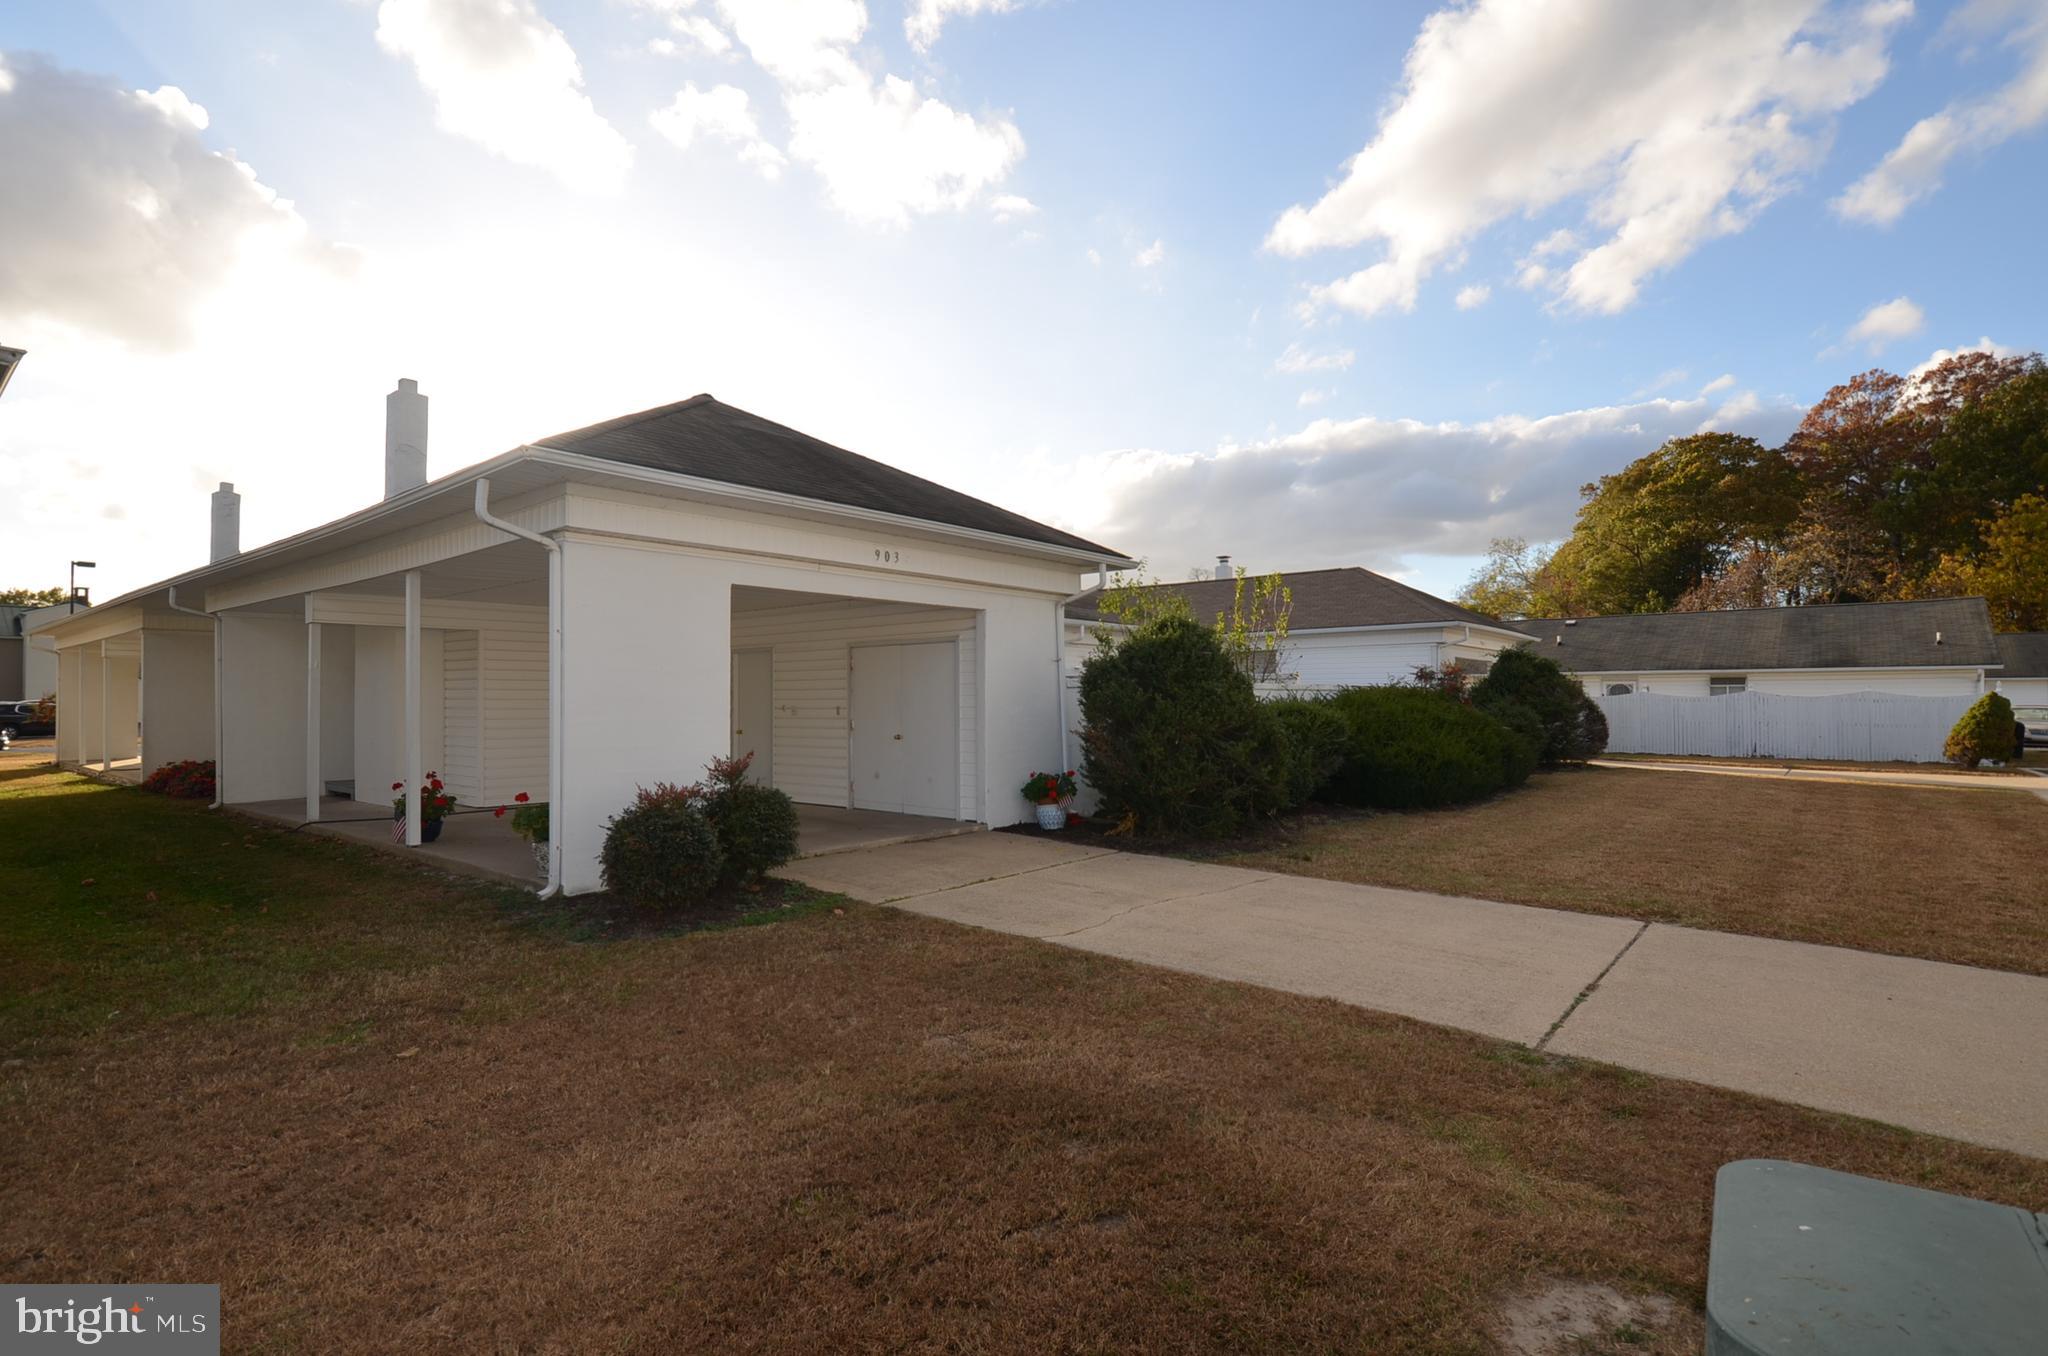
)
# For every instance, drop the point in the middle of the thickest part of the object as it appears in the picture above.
(1984, 732)
(1411, 748)
(661, 851)
(1315, 745)
(756, 827)
(1573, 728)
(1172, 737)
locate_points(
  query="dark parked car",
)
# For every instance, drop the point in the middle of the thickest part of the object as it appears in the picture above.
(21, 719)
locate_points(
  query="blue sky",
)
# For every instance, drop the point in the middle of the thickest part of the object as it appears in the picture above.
(1112, 265)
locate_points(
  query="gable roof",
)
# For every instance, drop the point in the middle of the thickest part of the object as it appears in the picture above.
(2025, 654)
(711, 440)
(1323, 600)
(1828, 636)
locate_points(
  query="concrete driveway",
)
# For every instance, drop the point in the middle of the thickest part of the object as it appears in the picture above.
(1942, 1048)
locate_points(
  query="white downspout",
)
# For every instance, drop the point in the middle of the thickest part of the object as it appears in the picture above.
(219, 736)
(554, 549)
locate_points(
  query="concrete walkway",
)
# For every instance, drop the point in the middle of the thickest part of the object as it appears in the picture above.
(1946, 1049)
(2029, 781)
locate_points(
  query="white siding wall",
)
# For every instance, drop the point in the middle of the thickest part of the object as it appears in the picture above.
(263, 700)
(461, 733)
(1809, 683)
(2024, 691)
(810, 643)
(1358, 659)
(177, 697)
(514, 677)
(1859, 727)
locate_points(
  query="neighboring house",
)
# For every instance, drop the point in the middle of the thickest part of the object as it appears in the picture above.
(1346, 627)
(27, 672)
(2024, 677)
(1937, 647)
(600, 611)
(1856, 681)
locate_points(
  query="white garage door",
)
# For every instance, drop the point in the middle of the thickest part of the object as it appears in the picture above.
(904, 747)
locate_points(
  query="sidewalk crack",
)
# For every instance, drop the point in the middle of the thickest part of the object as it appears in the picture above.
(1007, 875)
(1587, 992)
(1149, 903)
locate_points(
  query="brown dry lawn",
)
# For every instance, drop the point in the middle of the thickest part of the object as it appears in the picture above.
(390, 1111)
(1951, 875)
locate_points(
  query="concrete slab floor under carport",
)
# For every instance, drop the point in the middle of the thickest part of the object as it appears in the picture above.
(824, 829)
(472, 844)
(1947, 1049)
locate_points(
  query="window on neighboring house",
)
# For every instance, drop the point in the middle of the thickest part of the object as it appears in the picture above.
(1621, 689)
(1262, 665)
(1727, 684)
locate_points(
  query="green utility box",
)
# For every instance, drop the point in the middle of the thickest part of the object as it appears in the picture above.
(1810, 1262)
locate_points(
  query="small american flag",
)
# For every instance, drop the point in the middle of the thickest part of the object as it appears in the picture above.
(398, 829)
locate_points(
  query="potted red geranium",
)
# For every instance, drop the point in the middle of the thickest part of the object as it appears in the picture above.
(1050, 792)
(529, 821)
(435, 803)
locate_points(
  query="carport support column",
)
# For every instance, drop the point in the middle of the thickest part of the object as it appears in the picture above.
(106, 681)
(412, 708)
(313, 787)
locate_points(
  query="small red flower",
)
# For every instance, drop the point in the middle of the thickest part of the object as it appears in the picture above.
(498, 813)
(521, 798)
(398, 786)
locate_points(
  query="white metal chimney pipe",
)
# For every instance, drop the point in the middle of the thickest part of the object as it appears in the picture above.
(227, 522)
(1223, 570)
(405, 439)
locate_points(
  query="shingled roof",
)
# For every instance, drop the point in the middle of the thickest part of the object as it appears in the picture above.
(1323, 599)
(710, 440)
(1833, 636)
(2025, 654)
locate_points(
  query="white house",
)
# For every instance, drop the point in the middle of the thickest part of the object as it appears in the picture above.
(2023, 672)
(1346, 627)
(595, 612)
(1856, 681)
(1938, 647)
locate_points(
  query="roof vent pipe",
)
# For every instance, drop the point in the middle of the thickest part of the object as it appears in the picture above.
(405, 439)
(227, 522)
(1223, 570)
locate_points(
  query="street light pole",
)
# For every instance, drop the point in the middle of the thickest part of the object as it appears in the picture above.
(76, 566)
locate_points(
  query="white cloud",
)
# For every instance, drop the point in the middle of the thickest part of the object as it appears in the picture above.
(885, 151)
(1887, 321)
(924, 19)
(1720, 383)
(1700, 117)
(1473, 296)
(1313, 397)
(1095, 257)
(1152, 256)
(1010, 207)
(1913, 168)
(723, 113)
(117, 218)
(504, 77)
(1370, 491)
(1297, 359)
(1984, 345)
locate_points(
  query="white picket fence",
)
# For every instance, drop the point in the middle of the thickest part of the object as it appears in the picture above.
(1864, 727)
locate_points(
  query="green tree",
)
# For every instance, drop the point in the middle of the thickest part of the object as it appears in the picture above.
(1988, 455)
(1519, 580)
(1671, 520)
(32, 597)
(1255, 623)
(2009, 571)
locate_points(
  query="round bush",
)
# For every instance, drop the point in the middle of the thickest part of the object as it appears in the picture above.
(662, 852)
(756, 827)
(1572, 726)
(1173, 737)
(1315, 745)
(1984, 732)
(1411, 748)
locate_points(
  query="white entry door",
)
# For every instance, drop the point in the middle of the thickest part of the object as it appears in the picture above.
(904, 747)
(753, 712)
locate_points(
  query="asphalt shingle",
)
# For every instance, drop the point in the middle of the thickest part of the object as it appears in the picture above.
(1935, 632)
